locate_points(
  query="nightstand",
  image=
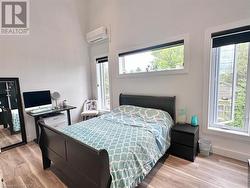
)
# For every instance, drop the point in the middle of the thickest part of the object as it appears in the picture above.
(184, 141)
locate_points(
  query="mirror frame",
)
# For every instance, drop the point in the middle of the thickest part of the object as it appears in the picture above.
(20, 111)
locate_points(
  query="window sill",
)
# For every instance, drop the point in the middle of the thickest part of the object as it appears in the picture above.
(101, 111)
(156, 73)
(245, 134)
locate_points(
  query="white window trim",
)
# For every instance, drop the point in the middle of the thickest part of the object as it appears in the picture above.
(185, 70)
(94, 75)
(96, 81)
(205, 129)
(213, 85)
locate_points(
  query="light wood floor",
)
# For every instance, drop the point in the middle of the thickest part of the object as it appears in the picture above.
(7, 139)
(21, 167)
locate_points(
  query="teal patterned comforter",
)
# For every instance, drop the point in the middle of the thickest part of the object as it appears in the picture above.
(135, 138)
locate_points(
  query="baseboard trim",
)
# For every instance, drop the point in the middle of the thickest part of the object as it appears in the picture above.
(231, 154)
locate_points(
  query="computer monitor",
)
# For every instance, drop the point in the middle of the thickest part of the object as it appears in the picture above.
(36, 98)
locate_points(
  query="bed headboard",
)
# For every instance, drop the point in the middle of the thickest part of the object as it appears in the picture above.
(163, 103)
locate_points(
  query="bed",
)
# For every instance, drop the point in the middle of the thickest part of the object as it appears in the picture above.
(138, 142)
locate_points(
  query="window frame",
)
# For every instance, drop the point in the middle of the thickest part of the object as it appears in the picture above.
(151, 45)
(99, 72)
(211, 91)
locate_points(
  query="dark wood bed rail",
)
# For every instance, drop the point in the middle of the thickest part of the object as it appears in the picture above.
(82, 164)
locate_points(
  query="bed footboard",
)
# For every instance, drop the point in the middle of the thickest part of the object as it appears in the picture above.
(82, 164)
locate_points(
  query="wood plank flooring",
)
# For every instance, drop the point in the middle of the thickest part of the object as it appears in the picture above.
(6, 139)
(22, 168)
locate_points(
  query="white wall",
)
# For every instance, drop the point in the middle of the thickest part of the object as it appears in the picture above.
(54, 56)
(139, 22)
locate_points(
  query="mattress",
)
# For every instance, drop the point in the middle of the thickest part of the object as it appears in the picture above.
(134, 137)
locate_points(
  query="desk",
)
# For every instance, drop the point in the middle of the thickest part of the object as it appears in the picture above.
(39, 115)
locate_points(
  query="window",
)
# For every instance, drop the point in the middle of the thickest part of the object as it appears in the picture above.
(153, 59)
(230, 80)
(102, 71)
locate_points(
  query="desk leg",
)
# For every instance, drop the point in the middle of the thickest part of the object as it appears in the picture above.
(37, 129)
(69, 118)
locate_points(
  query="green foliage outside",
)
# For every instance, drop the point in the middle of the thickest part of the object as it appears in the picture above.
(240, 99)
(226, 78)
(169, 58)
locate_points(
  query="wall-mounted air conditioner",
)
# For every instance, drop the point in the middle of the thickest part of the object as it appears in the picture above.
(97, 35)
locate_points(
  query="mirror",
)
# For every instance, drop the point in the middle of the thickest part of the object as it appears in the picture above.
(12, 129)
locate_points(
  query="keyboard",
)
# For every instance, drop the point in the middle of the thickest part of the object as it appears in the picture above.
(40, 110)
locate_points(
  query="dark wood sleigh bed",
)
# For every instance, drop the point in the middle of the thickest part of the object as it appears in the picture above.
(82, 164)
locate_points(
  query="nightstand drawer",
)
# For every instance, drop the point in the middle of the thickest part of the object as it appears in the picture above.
(183, 151)
(184, 138)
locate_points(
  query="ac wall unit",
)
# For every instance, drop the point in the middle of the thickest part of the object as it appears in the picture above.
(97, 35)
